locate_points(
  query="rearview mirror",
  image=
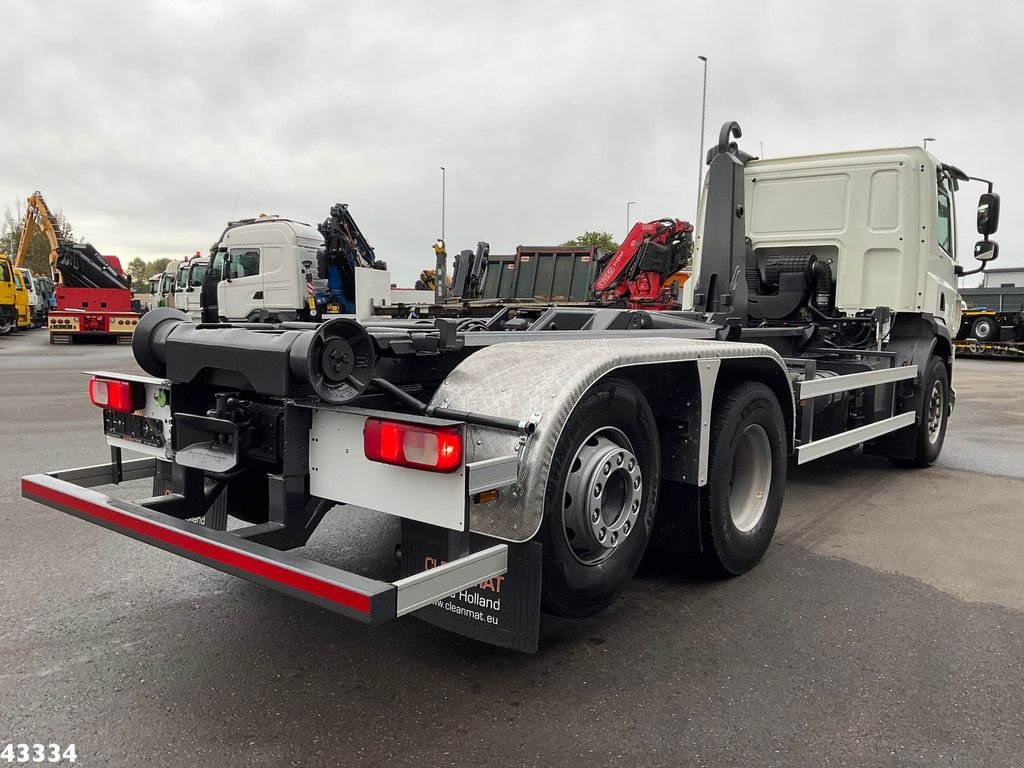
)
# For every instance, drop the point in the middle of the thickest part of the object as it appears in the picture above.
(988, 214)
(986, 250)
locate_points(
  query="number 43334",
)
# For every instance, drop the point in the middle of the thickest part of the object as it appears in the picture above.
(38, 753)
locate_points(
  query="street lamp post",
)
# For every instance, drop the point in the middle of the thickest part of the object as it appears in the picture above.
(442, 200)
(631, 202)
(441, 262)
(924, 143)
(703, 111)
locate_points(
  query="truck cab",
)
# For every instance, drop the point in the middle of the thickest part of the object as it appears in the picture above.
(883, 221)
(22, 301)
(188, 285)
(161, 290)
(8, 298)
(36, 298)
(264, 268)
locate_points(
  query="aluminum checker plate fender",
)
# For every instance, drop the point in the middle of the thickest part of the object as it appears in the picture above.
(549, 378)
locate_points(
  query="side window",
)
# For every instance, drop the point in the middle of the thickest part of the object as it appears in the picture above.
(182, 277)
(944, 228)
(245, 262)
(17, 281)
(5, 272)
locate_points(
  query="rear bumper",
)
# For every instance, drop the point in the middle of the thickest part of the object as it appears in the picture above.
(366, 600)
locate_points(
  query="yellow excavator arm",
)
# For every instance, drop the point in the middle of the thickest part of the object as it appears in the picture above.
(37, 214)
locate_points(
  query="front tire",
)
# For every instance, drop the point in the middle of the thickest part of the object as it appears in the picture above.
(740, 505)
(601, 495)
(933, 416)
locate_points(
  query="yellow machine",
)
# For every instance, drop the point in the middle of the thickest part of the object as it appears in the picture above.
(37, 214)
(8, 297)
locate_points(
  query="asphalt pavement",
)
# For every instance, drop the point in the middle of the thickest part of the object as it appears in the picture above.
(885, 627)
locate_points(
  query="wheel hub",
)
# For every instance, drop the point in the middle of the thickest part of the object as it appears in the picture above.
(751, 478)
(603, 492)
(935, 407)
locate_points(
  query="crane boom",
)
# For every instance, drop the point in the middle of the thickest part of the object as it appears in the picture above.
(37, 213)
(651, 253)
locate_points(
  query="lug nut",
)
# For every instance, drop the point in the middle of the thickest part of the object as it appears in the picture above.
(607, 468)
(625, 528)
(618, 460)
(636, 482)
(596, 516)
(636, 506)
(615, 537)
(603, 532)
(631, 465)
(597, 490)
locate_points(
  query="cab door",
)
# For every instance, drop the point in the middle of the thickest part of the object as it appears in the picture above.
(8, 301)
(240, 293)
(21, 302)
(193, 291)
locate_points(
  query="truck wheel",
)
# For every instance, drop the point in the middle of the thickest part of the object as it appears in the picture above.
(932, 418)
(601, 495)
(6, 327)
(740, 505)
(985, 329)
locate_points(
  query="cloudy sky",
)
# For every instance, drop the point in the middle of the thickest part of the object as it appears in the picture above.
(150, 124)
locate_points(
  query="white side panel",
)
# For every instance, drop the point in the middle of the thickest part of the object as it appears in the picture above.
(339, 470)
(411, 296)
(858, 210)
(373, 289)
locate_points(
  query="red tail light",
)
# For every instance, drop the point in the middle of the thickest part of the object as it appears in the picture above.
(116, 395)
(437, 449)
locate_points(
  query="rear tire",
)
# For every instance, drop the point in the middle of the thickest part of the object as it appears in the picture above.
(6, 327)
(601, 495)
(985, 329)
(740, 505)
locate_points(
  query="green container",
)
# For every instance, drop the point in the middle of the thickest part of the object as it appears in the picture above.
(557, 275)
(500, 278)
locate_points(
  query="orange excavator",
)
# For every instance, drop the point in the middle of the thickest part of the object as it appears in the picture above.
(37, 214)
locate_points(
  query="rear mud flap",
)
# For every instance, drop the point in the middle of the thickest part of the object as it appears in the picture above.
(502, 611)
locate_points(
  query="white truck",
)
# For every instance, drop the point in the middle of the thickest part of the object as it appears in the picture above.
(269, 269)
(38, 299)
(188, 284)
(532, 458)
(161, 290)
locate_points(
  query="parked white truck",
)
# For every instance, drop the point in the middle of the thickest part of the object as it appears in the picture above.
(188, 284)
(272, 268)
(532, 458)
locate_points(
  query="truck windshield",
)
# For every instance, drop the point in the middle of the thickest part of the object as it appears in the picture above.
(182, 276)
(198, 272)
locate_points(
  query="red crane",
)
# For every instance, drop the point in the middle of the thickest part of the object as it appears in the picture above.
(652, 252)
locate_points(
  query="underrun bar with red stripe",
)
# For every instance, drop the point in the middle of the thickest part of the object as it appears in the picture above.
(347, 593)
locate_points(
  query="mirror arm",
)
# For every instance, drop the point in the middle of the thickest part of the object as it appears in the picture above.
(959, 271)
(983, 181)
